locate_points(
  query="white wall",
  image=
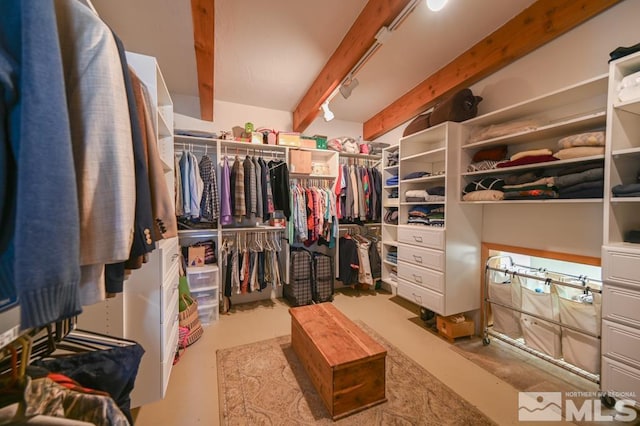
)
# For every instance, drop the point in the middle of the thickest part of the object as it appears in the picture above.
(228, 114)
(574, 57)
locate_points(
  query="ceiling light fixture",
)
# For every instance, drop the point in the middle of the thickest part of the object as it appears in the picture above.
(347, 86)
(436, 5)
(328, 114)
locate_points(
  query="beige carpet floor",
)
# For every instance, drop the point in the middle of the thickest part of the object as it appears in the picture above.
(528, 373)
(263, 383)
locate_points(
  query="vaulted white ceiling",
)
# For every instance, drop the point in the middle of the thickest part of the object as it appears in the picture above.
(269, 52)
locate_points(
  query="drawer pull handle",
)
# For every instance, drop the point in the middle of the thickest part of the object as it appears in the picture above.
(417, 238)
(417, 298)
(417, 278)
(417, 258)
(174, 257)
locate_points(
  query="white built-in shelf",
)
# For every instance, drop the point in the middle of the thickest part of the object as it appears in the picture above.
(197, 140)
(548, 164)
(258, 228)
(553, 130)
(360, 156)
(322, 154)
(390, 263)
(625, 199)
(626, 151)
(390, 203)
(164, 130)
(198, 233)
(431, 156)
(389, 186)
(295, 175)
(391, 243)
(583, 96)
(229, 147)
(632, 106)
(546, 200)
(390, 224)
(392, 283)
(423, 179)
(625, 246)
(421, 203)
(391, 169)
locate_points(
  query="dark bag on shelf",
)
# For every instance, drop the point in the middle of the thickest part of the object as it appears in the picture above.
(323, 278)
(299, 289)
(461, 106)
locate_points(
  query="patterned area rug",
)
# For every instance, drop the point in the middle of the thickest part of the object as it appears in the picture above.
(263, 383)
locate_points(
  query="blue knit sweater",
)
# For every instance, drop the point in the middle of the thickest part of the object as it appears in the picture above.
(39, 233)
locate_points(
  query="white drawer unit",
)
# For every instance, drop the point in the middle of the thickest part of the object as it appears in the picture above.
(621, 304)
(421, 296)
(421, 236)
(621, 266)
(427, 258)
(438, 263)
(619, 377)
(169, 320)
(621, 342)
(170, 288)
(170, 254)
(423, 277)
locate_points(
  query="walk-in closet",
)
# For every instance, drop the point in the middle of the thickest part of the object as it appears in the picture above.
(366, 212)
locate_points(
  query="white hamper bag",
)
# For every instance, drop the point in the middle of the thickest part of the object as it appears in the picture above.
(579, 349)
(506, 321)
(539, 334)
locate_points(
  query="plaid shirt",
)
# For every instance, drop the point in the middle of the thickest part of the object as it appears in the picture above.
(239, 208)
(250, 197)
(209, 205)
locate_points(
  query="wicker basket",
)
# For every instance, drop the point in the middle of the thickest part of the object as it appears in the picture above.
(189, 319)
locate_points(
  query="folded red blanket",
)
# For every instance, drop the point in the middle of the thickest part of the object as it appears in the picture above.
(533, 159)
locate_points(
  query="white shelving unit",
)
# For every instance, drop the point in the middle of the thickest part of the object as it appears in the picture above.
(576, 109)
(389, 231)
(620, 259)
(438, 267)
(217, 149)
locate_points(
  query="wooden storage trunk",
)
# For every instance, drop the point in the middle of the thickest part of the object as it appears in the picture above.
(346, 366)
(451, 330)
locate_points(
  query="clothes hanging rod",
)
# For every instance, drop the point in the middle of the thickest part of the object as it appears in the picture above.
(253, 229)
(549, 280)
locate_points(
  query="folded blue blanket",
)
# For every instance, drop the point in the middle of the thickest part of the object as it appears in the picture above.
(574, 178)
(416, 175)
(624, 190)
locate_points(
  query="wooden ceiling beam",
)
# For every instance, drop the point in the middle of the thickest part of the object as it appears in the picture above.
(359, 38)
(203, 16)
(540, 23)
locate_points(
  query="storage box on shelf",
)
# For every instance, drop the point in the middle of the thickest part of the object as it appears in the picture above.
(389, 204)
(313, 163)
(438, 266)
(537, 124)
(208, 313)
(620, 258)
(202, 277)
